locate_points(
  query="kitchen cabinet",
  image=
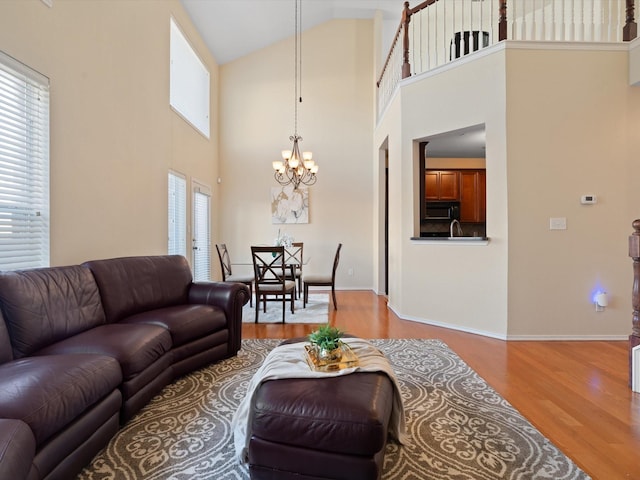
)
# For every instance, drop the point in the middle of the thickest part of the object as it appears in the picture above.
(473, 204)
(442, 185)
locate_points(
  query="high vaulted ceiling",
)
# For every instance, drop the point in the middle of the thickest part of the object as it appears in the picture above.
(234, 28)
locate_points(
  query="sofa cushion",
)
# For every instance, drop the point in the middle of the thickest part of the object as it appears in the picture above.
(6, 355)
(132, 285)
(43, 306)
(17, 448)
(50, 392)
(185, 322)
(135, 347)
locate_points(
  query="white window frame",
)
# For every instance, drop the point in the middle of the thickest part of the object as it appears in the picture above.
(177, 214)
(24, 166)
(189, 82)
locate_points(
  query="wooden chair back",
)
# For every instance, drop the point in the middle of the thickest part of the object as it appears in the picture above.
(269, 266)
(225, 261)
(293, 254)
(336, 260)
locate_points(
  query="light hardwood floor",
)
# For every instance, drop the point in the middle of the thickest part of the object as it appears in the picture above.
(575, 393)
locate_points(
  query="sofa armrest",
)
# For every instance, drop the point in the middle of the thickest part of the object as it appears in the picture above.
(17, 448)
(230, 297)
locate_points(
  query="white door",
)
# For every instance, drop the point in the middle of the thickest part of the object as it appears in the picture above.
(201, 232)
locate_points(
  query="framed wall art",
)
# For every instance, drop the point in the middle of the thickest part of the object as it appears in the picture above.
(289, 205)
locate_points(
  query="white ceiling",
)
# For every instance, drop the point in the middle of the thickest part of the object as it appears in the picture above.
(234, 28)
(464, 143)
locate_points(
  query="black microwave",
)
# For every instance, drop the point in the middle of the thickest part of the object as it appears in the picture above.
(442, 210)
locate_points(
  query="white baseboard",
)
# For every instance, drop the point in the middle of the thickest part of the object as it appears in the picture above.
(435, 323)
(568, 338)
(521, 338)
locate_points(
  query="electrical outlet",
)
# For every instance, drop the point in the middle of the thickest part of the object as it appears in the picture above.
(350, 272)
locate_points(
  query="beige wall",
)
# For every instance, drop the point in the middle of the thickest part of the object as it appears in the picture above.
(551, 137)
(335, 121)
(560, 123)
(462, 286)
(462, 163)
(569, 134)
(113, 134)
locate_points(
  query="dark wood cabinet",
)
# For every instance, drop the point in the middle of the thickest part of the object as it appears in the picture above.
(473, 204)
(442, 185)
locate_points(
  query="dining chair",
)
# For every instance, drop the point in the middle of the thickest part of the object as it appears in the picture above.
(293, 256)
(270, 271)
(328, 280)
(227, 274)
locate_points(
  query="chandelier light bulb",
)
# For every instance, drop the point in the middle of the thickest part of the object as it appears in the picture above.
(277, 165)
(294, 162)
(308, 164)
(307, 155)
(286, 154)
(314, 169)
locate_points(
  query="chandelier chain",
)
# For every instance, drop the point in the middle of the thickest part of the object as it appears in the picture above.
(297, 67)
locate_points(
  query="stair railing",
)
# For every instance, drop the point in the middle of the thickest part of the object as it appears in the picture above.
(436, 32)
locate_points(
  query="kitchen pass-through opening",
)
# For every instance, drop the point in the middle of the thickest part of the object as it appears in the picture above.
(452, 182)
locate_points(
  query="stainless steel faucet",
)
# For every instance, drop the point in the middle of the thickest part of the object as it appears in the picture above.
(455, 222)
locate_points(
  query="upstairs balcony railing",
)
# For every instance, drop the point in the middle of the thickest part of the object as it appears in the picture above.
(436, 32)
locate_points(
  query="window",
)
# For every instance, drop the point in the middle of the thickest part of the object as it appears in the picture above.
(188, 82)
(24, 166)
(201, 232)
(177, 214)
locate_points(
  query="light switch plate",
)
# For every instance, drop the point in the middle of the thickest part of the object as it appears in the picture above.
(558, 223)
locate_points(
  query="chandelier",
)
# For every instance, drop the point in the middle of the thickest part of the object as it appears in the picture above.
(295, 168)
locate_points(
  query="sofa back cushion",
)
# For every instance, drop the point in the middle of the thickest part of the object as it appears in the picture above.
(5, 344)
(46, 305)
(133, 285)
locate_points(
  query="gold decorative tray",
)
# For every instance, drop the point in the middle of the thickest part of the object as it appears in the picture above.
(347, 360)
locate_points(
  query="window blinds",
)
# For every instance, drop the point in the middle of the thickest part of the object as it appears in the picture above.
(177, 214)
(201, 235)
(24, 166)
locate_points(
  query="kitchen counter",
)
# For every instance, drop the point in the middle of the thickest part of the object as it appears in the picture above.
(452, 240)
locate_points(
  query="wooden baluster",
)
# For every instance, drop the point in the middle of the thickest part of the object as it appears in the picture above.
(406, 18)
(502, 22)
(630, 30)
(634, 253)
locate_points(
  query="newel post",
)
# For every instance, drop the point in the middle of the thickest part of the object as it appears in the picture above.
(502, 22)
(634, 253)
(630, 30)
(406, 18)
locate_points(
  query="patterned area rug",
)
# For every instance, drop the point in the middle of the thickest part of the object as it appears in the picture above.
(460, 427)
(316, 311)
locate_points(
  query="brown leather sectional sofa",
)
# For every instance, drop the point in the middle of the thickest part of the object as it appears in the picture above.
(85, 347)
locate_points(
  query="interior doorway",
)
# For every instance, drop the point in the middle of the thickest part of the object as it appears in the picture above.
(386, 228)
(382, 284)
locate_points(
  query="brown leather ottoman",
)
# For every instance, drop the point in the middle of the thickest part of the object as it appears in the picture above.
(321, 428)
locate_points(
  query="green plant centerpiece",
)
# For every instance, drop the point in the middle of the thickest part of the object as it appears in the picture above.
(327, 342)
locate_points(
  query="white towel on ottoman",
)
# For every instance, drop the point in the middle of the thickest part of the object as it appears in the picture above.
(289, 361)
